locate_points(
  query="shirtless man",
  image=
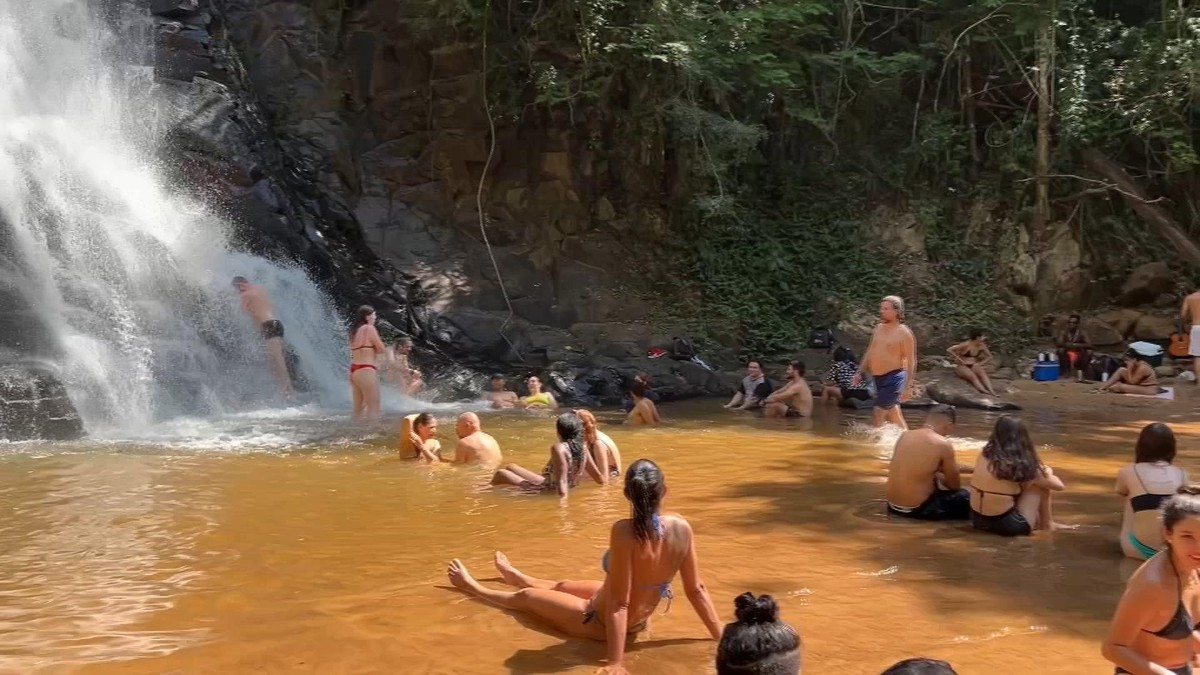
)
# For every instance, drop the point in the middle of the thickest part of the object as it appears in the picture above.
(644, 411)
(923, 478)
(1074, 348)
(499, 396)
(256, 303)
(793, 399)
(892, 359)
(474, 446)
(1190, 315)
(400, 372)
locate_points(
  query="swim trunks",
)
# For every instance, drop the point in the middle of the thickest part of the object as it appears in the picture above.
(1194, 346)
(887, 389)
(941, 505)
(1008, 524)
(272, 329)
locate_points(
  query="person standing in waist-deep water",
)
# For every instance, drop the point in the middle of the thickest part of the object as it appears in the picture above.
(1145, 485)
(401, 372)
(1010, 488)
(758, 643)
(644, 411)
(923, 477)
(645, 552)
(1189, 314)
(257, 304)
(755, 387)
(793, 399)
(365, 345)
(1153, 629)
(891, 357)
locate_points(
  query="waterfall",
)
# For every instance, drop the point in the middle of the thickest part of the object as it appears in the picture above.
(130, 279)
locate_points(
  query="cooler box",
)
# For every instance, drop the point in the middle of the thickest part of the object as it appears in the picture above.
(1045, 371)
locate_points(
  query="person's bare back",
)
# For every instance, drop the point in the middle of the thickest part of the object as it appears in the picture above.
(1190, 312)
(478, 448)
(917, 458)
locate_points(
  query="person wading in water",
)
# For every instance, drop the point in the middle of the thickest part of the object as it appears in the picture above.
(892, 359)
(257, 304)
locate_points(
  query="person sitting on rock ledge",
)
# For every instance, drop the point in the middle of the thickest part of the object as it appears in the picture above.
(923, 477)
(537, 398)
(839, 381)
(1135, 377)
(1074, 347)
(970, 359)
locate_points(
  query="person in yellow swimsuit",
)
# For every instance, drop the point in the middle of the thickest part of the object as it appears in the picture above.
(537, 398)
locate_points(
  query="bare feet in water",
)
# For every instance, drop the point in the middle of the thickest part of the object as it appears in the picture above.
(507, 571)
(460, 577)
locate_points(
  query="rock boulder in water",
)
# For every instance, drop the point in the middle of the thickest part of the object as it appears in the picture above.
(962, 395)
(34, 405)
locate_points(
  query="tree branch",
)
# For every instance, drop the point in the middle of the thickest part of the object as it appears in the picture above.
(1104, 187)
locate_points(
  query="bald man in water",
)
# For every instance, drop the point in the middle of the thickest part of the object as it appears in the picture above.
(474, 446)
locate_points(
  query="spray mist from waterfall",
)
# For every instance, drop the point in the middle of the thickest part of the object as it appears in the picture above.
(131, 279)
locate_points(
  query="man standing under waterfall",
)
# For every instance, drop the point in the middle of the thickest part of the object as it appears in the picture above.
(892, 359)
(257, 304)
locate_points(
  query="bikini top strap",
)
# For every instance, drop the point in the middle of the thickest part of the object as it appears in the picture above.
(1139, 479)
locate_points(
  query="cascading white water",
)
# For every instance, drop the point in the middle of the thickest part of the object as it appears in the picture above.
(133, 280)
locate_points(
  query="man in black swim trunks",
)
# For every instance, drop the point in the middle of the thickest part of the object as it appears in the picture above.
(923, 479)
(257, 304)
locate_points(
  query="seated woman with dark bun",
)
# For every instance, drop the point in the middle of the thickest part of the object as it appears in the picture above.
(758, 643)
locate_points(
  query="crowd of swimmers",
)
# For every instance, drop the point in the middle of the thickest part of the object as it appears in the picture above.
(1009, 493)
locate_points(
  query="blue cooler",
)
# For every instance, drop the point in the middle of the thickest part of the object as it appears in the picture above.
(1045, 371)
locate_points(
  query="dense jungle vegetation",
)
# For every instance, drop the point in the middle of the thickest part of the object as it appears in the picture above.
(792, 119)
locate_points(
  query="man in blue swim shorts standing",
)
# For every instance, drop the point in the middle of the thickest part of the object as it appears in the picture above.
(892, 359)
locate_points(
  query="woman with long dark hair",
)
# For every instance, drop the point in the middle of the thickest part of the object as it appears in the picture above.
(645, 553)
(365, 346)
(568, 460)
(1010, 489)
(1152, 629)
(1145, 484)
(970, 360)
(758, 643)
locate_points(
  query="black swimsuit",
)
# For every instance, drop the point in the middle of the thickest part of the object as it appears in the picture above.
(1008, 524)
(1180, 627)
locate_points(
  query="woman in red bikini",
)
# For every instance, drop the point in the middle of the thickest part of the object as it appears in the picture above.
(364, 375)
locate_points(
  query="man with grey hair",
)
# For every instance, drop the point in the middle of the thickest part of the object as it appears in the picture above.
(892, 359)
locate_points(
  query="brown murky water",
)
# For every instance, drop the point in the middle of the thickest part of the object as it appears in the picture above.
(332, 559)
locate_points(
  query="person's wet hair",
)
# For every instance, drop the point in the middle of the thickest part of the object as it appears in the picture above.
(949, 412)
(570, 431)
(638, 388)
(361, 318)
(1156, 443)
(798, 366)
(920, 666)
(644, 488)
(422, 420)
(758, 643)
(843, 354)
(1185, 503)
(239, 280)
(975, 333)
(1010, 452)
(588, 420)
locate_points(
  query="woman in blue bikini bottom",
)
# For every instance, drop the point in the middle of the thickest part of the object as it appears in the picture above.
(646, 551)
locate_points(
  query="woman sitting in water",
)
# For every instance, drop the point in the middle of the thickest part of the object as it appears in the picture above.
(839, 383)
(644, 411)
(758, 643)
(418, 438)
(537, 398)
(1152, 629)
(605, 455)
(365, 345)
(1010, 488)
(645, 553)
(970, 359)
(1145, 484)
(568, 461)
(1135, 377)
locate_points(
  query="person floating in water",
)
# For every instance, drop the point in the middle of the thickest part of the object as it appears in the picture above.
(537, 398)
(645, 553)
(568, 460)
(606, 456)
(644, 411)
(970, 358)
(755, 387)
(891, 357)
(257, 304)
(397, 368)
(1153, 628)
(418, 438)
(758, 643)
(923, 477)
(474, 446)
(1145, 484)
(1010, 488)
(365, 345)
(793, 399)
(499, 397)
(1135, 377)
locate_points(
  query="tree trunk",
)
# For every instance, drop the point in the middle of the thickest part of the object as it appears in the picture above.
(967, 96)
(1157, 218)
(1045, 110)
